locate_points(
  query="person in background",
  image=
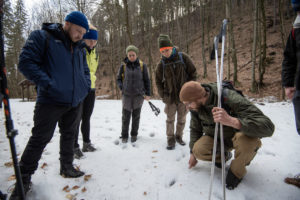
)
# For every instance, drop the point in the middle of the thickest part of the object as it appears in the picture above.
(90, 41)
(173, 70)
(243, 126)
(133, 80)
(53, 60)
(290, 73)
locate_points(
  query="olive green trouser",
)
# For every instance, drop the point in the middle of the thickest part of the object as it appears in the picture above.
(245, 150)
(170, 110)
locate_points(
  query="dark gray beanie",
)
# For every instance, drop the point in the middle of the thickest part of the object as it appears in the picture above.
(164, 41)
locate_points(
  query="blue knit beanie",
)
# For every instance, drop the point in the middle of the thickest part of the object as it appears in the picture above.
(296, 5)
(78, 18)
(91, 35)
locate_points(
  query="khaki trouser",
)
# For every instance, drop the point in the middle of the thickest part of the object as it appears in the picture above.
(245, 150)
(170, 110)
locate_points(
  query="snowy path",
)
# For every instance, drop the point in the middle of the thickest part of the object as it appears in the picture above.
(147, 170)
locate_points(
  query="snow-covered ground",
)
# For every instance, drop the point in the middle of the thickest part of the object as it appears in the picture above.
(147, 170)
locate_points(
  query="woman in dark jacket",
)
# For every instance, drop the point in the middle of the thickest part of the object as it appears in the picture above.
(133, 80)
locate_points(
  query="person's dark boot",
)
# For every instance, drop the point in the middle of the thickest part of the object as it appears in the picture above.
(133, 139)
(171, 144)
(228, 156)
(231, 180)
(124, 140)
(26, 179)
(88, 147)
(3, 196)
(68, 171)
(179, 140)
(78, 153)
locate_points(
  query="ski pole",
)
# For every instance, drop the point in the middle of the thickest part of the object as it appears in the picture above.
(219, 73)
(220, 105)
(10, 131)
(155, 109)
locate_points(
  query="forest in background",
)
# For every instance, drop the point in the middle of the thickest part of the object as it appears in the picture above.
(256, 36)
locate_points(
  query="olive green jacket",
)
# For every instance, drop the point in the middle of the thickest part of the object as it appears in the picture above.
(254, 122)
(170, 80)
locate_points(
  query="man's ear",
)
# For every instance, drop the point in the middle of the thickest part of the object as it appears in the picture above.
(67, 24)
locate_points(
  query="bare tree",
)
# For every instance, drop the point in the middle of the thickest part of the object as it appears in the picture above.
(203, 39)
(263, 42)
(282, 30)
(253, 55)
(128, 27)
(232, 42)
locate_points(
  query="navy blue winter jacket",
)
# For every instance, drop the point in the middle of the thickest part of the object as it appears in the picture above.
(56, 65)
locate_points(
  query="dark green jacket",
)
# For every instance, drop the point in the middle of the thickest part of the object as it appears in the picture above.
(170, 80)
(254, 122)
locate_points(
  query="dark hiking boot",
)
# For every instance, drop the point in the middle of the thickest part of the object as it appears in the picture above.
(3, 196)
(228, 156)
(68, 171)
(133, 139)
(78, 153)
(179, 140)
(124, 140)
(88, 147)
(171, 144)
(26, 185)
(231, 180)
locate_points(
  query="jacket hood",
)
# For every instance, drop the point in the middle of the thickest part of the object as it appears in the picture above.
(297, 22)
(57, 31)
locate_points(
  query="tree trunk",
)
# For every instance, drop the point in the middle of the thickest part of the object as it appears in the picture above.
(128, 27)
(203, 40)
(282, 31)
(233, 50)
(228, 43)
(253, 80)
(263, 44)
(112, 62)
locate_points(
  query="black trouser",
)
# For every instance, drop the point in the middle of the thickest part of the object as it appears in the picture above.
(296, 102)
(126, 115)
(86, 113)
(45, 120)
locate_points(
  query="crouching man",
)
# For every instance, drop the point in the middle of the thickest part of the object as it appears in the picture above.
(244, 126)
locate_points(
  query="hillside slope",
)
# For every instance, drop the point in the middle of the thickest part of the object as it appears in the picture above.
(243, 33)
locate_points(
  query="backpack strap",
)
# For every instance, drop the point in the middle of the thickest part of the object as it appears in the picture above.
(293, 34)
(141, 65)
(163, 65)
(181, 59)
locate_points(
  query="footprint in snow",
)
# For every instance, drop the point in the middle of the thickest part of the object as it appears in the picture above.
(172, 182)
(152, 134)
(116, 142)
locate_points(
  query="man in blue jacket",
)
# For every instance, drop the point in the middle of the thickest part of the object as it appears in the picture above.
(53, 59)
